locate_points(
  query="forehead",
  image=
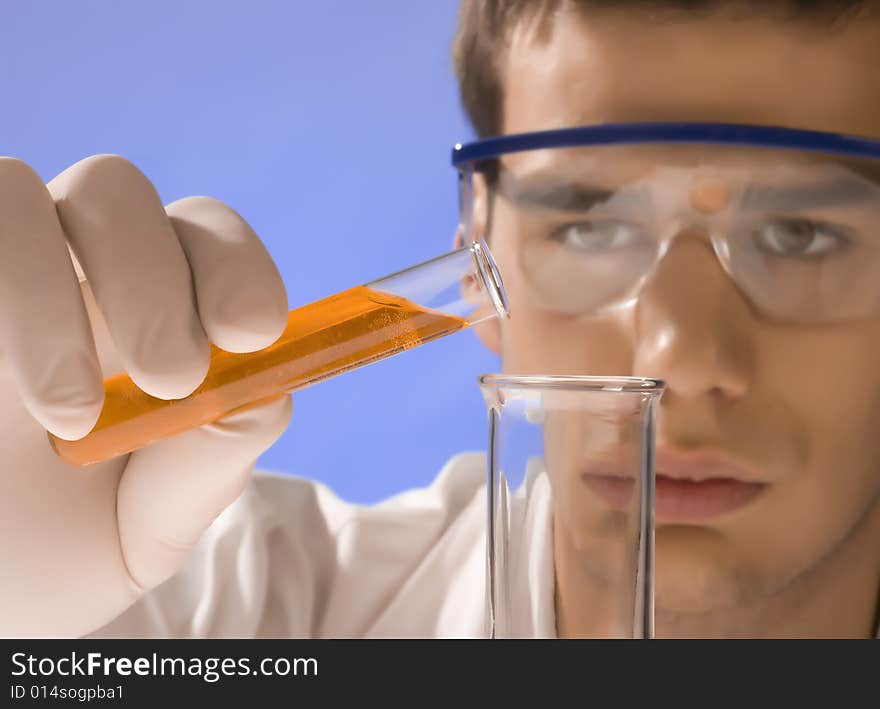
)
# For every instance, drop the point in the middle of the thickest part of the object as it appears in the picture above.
(628, 65)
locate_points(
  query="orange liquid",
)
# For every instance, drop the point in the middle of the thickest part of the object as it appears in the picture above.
(323, 339)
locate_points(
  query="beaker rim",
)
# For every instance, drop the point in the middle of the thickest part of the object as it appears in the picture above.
(575, 382)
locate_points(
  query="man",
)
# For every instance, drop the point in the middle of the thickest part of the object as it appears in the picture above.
(792, 401)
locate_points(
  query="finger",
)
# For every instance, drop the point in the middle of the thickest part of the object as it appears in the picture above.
(137, 270)
(172, 491)
(241, 298)
(43, 322)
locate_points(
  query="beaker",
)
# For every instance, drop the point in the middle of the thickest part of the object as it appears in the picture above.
(570, 543)
(326, 338)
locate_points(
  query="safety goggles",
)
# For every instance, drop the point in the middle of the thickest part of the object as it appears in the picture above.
(589, 213)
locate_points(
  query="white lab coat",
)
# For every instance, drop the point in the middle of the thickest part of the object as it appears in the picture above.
(290, 559)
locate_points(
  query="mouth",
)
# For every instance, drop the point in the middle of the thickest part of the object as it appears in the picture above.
(689, 488)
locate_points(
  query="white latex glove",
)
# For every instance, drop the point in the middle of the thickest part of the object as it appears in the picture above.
(79, 545)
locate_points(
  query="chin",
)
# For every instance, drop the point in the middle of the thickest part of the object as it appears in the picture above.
(696, 574)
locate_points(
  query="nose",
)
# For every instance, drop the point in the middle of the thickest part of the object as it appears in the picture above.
(692, 326)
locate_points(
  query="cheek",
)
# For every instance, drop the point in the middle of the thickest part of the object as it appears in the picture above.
(535, 341)
(814, 404)
(835, 383)
(830, 380)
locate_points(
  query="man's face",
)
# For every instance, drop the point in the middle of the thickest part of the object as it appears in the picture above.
(795, 404)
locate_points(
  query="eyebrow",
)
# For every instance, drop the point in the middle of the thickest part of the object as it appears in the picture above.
(838, 192)
(567, 195)
(551, 193)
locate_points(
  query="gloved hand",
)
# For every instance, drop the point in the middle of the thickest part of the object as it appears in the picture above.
(79, 545)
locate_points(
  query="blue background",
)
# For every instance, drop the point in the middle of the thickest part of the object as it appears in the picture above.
(328, 125)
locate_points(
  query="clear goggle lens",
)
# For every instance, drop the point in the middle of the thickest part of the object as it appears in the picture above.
(798, 231)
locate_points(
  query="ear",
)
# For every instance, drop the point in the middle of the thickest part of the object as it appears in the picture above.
(458, 239)
(489, 332)
(479, 209)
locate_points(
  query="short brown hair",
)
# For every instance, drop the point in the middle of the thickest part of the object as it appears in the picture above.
(483, 27)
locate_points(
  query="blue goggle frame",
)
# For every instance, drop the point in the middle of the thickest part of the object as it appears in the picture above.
(467, 155)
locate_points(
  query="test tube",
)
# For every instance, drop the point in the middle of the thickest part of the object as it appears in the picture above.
(325, 338)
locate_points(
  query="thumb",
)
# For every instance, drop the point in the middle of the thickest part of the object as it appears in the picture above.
(171, 491)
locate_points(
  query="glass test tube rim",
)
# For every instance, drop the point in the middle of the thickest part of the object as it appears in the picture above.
(486, 268)
(579, 382)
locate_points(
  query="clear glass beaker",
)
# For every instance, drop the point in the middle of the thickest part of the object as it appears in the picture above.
(571, 483)
(323, 339)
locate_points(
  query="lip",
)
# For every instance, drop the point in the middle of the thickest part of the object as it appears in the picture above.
(690, 487)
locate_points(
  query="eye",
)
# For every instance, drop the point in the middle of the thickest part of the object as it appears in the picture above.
(800, 238)
(597, 236)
